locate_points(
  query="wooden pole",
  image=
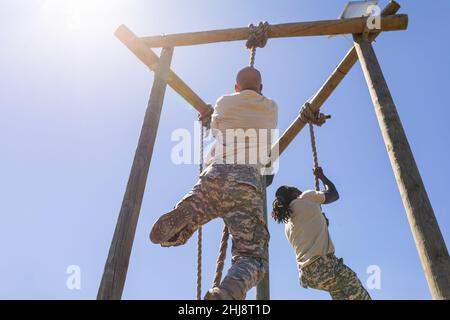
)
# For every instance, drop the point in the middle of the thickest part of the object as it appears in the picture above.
(150, 59)
(429, 241)
(263, 287)
(327, 88)
(296, 29)
(116, 266)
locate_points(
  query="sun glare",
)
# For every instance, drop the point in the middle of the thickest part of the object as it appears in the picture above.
(76, 15)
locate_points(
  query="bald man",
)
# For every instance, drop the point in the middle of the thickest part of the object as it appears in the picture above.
(248, 79)
(231, 186)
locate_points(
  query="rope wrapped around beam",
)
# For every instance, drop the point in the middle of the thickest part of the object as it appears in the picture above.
(311, 117)
(307, 115)
(257, 38)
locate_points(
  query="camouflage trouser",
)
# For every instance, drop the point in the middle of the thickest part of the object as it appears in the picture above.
(233, 192)
(331, 274)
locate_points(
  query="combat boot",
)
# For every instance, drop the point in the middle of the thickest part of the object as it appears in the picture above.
(217, 293)
(167, 228)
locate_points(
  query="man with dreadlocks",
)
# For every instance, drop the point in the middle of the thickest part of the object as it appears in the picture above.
(306, 229)
(231, 186)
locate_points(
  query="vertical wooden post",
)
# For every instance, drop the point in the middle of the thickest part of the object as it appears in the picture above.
(263, 287)
(116, 266)
(428, 238)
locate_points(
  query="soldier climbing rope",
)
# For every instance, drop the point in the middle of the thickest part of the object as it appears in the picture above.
(257, 38)
(429, 241)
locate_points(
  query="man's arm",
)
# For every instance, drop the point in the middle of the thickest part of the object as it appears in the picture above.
(331, 194)
(216, 115)
(269, 178)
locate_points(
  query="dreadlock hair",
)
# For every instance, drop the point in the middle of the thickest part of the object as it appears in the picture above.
(280, 206)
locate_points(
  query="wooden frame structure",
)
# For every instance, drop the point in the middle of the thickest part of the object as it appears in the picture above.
(427, 235)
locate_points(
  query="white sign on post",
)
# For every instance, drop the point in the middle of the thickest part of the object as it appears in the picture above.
(358, 9)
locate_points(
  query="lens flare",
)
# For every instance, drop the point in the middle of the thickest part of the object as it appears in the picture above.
(76, 15)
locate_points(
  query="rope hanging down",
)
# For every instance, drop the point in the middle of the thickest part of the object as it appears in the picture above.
(307, 115)
(257, 38)
(220, 262)
(205, 121)
(200, 233)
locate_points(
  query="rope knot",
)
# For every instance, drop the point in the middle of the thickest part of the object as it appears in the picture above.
(307, 115)
(258, 35)
(257, 38)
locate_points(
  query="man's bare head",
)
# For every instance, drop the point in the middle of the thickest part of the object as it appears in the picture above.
(248, 79)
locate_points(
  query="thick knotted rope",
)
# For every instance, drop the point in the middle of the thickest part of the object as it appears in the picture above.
(314, 155)
(205, 122)
(200, 233)
(220, 262)
(315, 163)
(307, 115)
(257, 38)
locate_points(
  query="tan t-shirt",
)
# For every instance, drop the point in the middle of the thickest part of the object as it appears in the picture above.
(251, 113)
(307, 229)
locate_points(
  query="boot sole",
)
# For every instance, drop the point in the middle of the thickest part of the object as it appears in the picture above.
(168, 225)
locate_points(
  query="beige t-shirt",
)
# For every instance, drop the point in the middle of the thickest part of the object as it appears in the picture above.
(307, 229)
(251, 113)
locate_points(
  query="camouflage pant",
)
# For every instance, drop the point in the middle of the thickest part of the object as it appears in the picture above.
(331, 274)
(233, 192)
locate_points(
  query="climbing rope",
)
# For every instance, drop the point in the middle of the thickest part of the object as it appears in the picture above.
(200, 231)
(314, 154)
(310, 117)
(220, 262)
(257, 38)
(205, 121)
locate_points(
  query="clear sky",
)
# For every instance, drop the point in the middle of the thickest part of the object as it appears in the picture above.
(72, 100)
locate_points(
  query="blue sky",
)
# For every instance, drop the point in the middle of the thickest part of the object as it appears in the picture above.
(72, 100)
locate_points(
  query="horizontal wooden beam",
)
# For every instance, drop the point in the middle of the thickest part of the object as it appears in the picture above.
(296, 29)
(150, 59)
(327, 88)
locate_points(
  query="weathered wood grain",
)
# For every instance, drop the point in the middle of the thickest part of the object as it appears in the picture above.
(116, 266)
(327, 88)
(150, 59)
(296, 29)
(425, 229)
